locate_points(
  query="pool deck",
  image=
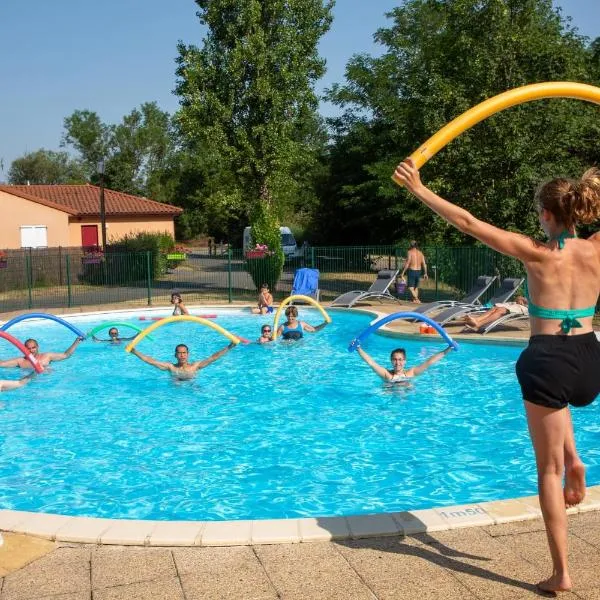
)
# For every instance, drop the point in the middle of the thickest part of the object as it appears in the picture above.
(487, 550)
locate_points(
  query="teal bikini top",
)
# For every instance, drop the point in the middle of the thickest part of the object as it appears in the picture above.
(569, 316)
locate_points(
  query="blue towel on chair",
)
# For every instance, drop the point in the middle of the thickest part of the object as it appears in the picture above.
(306, 282)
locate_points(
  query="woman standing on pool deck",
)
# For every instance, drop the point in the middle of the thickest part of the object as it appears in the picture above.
(560, 365)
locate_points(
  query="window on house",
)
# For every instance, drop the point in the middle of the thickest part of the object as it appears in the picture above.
(34, 236)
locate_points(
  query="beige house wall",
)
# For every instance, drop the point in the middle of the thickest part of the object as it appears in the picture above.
(118, 227)
(17, 212)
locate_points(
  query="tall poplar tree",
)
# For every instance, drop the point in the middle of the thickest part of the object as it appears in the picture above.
(248, 105)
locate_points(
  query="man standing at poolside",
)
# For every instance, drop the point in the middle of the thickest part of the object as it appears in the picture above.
(182, 369)
(44, 358)
(415, 265)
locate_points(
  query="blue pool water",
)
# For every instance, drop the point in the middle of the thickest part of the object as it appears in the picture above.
(285, 430)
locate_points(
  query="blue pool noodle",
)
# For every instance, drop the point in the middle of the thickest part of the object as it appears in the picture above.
(20, 318)
(401, 315)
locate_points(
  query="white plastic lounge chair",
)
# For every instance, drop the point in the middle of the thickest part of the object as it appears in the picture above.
(379, 289)
(507, 290)
(480, 287)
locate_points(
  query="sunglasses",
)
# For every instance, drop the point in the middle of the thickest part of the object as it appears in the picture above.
(266, 331)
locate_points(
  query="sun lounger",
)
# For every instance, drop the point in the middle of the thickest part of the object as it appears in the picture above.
(481, 286)
(507, 290)
(379, 290)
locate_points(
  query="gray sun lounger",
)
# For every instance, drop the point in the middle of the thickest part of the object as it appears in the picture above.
(380, 290)
(482, 284)
(507, 290)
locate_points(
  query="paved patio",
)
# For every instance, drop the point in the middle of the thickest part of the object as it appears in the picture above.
(499, 561)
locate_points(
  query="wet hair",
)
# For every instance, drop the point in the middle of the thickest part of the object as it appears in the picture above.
(264, 285)
(113, 329)
(398, 351)
(291, 311)
(262, 329)
(29, 341)
(413, 244)
(176, 295)
(571, 201)
(182, 346)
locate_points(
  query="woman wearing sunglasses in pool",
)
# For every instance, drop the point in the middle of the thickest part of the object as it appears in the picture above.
(183, 369)
(114, 337)
(560, 365)
(266, 335)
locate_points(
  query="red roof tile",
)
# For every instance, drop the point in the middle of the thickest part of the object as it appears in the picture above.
(84, 200)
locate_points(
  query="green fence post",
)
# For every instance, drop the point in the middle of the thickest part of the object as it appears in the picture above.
(149, 277)
(229, 273)
(29, 277)
(68, 269)
(312, 257)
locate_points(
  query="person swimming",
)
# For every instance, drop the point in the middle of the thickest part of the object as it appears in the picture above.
(293, 328)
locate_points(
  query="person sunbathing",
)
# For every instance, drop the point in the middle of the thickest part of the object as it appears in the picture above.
(519, 307)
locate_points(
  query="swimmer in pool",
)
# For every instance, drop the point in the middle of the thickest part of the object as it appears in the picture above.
(183, 369)
(113, 337)
(44, 358)
(399, 373)
(293, 328)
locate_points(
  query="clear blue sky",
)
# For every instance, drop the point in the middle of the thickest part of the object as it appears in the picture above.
(111, 56)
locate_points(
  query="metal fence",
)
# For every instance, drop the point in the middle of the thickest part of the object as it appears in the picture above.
(67, 277)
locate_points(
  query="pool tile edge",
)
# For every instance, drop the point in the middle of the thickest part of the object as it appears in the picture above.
(62, 528)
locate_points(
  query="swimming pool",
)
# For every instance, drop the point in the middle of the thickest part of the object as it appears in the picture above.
(277, 431)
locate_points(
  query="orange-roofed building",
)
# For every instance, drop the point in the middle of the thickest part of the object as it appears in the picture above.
(37, 216)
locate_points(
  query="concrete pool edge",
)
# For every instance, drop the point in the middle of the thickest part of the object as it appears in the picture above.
(61, 528)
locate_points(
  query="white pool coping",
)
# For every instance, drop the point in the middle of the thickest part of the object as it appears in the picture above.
(62, 528)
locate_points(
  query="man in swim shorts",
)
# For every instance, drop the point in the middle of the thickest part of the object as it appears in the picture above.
(44, 358)
(183, 369)
(399, 373)
(415, 265)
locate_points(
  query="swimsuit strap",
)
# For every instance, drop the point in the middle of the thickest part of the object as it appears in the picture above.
(569, 316)
(564, 235)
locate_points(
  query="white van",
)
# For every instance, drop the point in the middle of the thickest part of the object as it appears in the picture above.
(288, 241)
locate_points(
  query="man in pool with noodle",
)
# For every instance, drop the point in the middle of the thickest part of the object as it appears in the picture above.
(44, 358)
(399, 373)
(560, 365)
(183, 369)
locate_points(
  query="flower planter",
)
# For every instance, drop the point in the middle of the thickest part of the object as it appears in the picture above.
(256, 254)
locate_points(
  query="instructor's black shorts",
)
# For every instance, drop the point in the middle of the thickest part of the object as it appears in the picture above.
(557, 370)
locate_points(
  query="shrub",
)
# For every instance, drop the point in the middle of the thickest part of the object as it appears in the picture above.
(267, 237)
(125, 260)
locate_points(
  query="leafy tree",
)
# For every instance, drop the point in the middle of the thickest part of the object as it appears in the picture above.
(441, 59)
(248, 104)
(138, 152)
(46, 167)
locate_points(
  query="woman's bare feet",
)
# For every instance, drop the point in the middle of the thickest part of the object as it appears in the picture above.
(556, 583)
(470, 321)
(574, 489)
